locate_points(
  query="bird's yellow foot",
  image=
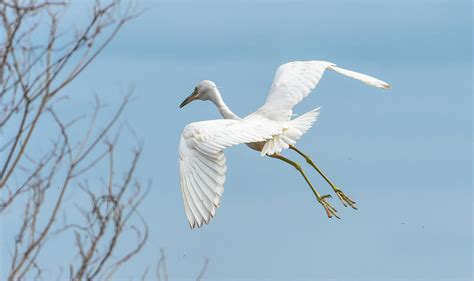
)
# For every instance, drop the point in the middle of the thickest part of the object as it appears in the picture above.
(330, 210)
(345, 199)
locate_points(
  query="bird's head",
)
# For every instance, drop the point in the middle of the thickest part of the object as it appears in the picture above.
(205, 90)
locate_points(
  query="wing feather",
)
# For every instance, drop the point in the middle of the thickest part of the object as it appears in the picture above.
(295, 80)
(202, 160)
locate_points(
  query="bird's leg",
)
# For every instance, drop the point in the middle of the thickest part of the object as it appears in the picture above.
(344, 198)
(321, 199)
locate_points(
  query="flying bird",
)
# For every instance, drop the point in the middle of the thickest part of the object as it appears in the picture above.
(269, 130)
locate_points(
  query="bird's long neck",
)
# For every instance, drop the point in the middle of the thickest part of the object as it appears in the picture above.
(224, 110)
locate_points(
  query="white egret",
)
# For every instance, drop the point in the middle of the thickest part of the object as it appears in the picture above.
(268, 130)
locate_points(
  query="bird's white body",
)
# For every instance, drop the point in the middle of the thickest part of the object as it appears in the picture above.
(269, 130)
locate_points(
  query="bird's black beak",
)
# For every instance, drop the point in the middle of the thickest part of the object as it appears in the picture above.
(189, 99)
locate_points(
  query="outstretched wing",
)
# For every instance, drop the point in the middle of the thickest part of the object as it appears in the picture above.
(202, 162)
(295, 80)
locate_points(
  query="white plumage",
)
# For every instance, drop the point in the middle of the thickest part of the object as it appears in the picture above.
(270, 130)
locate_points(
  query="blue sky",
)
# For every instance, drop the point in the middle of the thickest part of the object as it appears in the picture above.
(404, 155)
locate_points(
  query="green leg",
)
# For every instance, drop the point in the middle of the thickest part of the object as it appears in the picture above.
(321, 199)
(344, 198)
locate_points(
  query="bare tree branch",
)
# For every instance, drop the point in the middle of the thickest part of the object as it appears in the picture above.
(203, 270)
(33, 76)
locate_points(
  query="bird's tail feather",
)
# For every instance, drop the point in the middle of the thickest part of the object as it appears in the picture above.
(293, 130)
